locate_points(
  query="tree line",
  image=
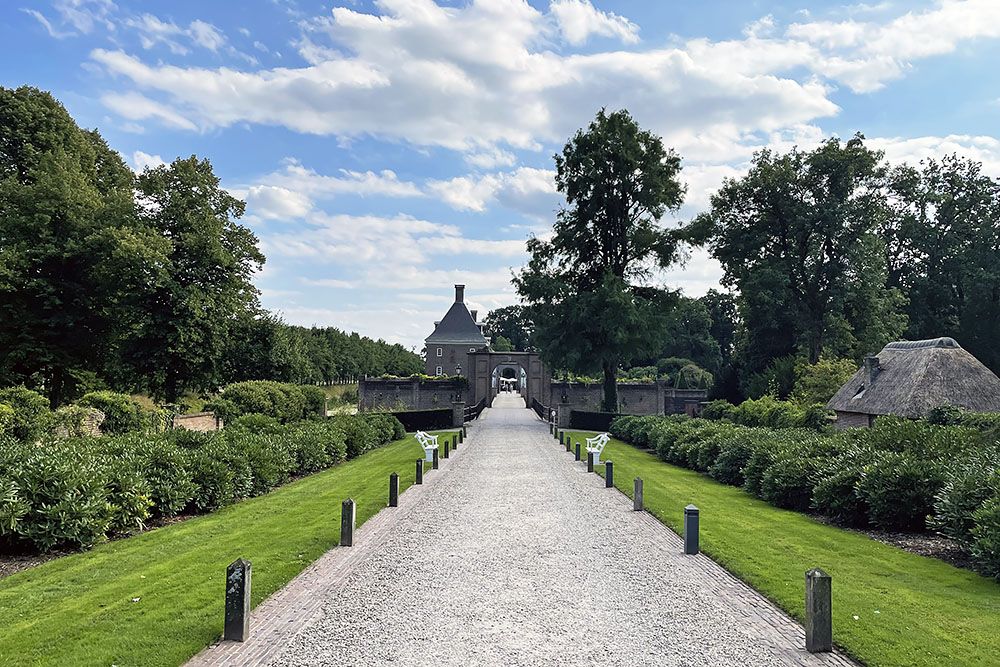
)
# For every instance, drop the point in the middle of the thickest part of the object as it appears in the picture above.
(141, 282)
(828, 253)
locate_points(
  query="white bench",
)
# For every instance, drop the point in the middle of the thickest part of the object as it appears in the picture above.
(429, 443)
(596, 445)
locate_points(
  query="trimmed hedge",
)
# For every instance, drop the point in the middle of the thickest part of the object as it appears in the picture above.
(279, 400)
(31, 413)
(769, 412)
(900, 475)
(76, 492)
(591, 421)
(422, 420)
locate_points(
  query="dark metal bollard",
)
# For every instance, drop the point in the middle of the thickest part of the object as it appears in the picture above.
(609, 474)
(590, 461)
(691, 530)
(637, 495)
(562, 434)
(454, 442)
(446, 445)
(465, 432)
(555, 434)
(461, 435)
(348, 513)
(819, 612)
(420, 472)
(237, 627)
(393, 490)
(434, 463)
(550, 427)
(578, 451)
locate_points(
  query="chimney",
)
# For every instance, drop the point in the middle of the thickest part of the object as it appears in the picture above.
(872, 369)
(474, 313)
(459, 293)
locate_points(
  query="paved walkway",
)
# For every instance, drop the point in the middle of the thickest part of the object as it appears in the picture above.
(513, 554)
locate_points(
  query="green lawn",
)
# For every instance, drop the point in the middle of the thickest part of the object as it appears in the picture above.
(890, 607)
(78, 610)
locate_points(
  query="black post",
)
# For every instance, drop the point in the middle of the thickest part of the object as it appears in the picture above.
(465, 432)
(578, 451)
(561, 434)
(447, 445)
(568, 445)
(590, 461)
(347, 516)
(237, 627)
(691, 530)
(420, 471)
(550, 427)
(637, 495)
(819, 612)
(461, 435)
(454, 442)
(434, 463)
(393, 490)
(609, 474)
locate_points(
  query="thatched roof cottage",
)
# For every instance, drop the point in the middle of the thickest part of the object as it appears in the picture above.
(911, 378)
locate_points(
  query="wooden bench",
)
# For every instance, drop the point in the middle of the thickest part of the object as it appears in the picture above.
(428, 442)
(596, 445)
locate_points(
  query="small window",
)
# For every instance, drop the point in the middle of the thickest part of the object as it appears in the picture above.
(472, 349)
(439, 351)
(438, 371)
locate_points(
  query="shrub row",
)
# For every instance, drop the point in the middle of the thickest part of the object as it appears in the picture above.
(76, 492)
(899, 475)
(769, 412)
(279, 400)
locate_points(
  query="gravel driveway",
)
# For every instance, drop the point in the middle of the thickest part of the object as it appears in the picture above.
(518, 556)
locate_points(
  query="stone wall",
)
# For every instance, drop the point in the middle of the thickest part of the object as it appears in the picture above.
(634, 398)
(407, 394)
(199, 421)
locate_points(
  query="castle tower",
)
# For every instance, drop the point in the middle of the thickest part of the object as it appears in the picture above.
(454, 337)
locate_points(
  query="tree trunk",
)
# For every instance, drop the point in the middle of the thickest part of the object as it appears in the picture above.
(610, 387)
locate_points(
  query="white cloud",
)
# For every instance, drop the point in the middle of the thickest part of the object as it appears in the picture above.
(142, 161)
(528, 190)
(276, 203)
(984, 149)
(491, 159)
(385, 183)
(206, 35)
(49, 28)
(579, 19)
(135, 106)
(154, 31)
(473, 79)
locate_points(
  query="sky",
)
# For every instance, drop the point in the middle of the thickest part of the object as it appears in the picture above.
(388, 150)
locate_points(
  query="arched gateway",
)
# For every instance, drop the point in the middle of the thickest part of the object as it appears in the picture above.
(458, 347)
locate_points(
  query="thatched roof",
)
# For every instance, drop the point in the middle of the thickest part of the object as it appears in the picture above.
(914, 377)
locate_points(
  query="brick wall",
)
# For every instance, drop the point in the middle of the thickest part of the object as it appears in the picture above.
(200, 421)
(846, 420)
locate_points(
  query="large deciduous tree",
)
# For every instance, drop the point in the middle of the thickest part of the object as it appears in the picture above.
(588, 286)
(796, 237)
(201, 290)
(70, 243)
(512, 324)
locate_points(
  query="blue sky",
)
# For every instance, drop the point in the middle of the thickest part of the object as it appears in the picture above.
(387, 150)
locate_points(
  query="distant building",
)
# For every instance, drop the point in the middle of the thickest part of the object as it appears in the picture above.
(911, 378)
(454, 337)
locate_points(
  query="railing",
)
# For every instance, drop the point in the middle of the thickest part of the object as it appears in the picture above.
(541, 410)
(474, 411)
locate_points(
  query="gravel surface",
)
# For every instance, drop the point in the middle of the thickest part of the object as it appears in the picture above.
(519, 556)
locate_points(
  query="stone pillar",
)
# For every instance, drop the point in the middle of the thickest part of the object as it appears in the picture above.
(457, 414)
(237, 627)
(661, 397)
(819, 613)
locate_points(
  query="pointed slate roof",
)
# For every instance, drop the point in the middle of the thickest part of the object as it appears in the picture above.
(914, 377)
(457, 326)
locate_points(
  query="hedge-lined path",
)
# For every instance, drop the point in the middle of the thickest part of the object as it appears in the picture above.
(513, 554)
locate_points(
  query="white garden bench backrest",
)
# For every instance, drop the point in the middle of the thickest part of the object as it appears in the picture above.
(426, 440)
(597, 443)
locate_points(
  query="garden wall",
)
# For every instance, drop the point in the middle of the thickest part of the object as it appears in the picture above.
(634, 398)
(202, 422)
(392, 395)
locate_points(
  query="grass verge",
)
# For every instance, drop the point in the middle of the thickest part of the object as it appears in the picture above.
(890, 607)
(157, 598)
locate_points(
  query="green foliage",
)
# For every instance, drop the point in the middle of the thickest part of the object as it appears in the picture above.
(284, 402)
(986, 536)
(788, 483)
(968, 484)
(122, 413)
(509, 326)
(899, 489)
(31, 411)
(817, 383)
(315, 400)
(71, 420)
(605, 242)
(6, 420)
